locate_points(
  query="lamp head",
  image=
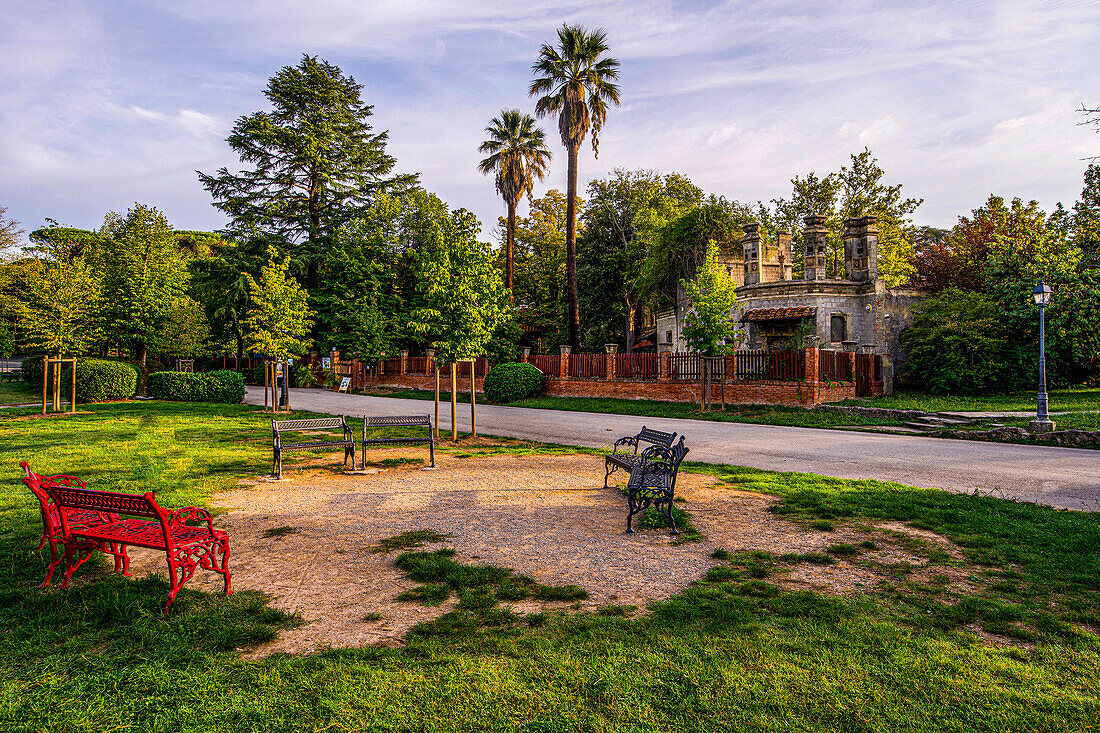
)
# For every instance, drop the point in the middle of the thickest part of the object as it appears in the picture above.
(1041, 294)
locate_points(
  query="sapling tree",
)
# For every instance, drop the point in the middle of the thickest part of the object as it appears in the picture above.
(710, 324)
(464, 301)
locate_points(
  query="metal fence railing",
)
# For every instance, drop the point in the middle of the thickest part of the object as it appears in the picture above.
(548, 364)
(779, 365)
(637, 366)
(588, 366)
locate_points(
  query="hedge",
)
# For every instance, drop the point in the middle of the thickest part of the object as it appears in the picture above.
(97, 380)
(220, 386)
(514, 381)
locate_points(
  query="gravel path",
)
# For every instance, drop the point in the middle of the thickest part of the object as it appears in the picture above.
(548, 517)
(1061, 477)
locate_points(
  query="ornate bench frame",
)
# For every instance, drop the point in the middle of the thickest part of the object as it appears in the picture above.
(293, 426)
(617, 459)
(53, 530)
(397, 421)
(187, 535)
(653, 482)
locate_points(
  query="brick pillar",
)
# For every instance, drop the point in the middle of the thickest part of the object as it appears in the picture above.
(526, 356)
(335, 356)
(887, 374)
(851, 357)
(663, 366)
(813, 373)
(565, 361)
(404, 362)
(429, 363)
(609, 363)
(731, 366)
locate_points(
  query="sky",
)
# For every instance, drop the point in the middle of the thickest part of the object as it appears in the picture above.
(108, 103)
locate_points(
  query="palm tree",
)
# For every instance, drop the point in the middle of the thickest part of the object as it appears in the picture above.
(518, 155)
(575, 82)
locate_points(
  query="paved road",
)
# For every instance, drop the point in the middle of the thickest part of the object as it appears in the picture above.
(1062, 477)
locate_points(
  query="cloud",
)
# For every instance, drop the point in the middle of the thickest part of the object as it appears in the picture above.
(113, 102)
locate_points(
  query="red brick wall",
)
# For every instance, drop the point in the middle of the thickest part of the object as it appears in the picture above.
(805, 394)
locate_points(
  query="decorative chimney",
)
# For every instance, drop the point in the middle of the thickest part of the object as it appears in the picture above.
(813, 237)
(750, 245)
(783, 242)
(861, 249)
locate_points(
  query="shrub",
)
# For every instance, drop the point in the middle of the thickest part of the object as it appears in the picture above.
(219, 386)
(97, 380)
(514, 381)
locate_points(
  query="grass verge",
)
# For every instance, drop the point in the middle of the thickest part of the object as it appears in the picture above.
(734, 651)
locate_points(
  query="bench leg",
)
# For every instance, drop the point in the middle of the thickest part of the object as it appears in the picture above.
(632, 503)
(668, 513)
(55, 562)
(608, 468)
(80, 549)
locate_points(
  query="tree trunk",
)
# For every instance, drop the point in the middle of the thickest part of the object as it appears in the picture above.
(571, 251)
(143, 350)
(240, 350)
(631, 309)
(511, 240)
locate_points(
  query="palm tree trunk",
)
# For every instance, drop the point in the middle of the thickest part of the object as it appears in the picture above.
(571, 251)
(511, 240)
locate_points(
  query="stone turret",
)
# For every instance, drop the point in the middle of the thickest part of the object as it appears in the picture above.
(813, 237)
(784, 261)
(753, 252)
(861, 249)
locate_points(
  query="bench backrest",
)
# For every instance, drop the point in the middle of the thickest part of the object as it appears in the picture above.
(678, 453)
(395, 421)
(136, 505)
(656, 437)
(320, 423)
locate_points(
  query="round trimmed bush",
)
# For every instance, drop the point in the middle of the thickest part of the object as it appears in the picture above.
(98, 380)
(514, 381)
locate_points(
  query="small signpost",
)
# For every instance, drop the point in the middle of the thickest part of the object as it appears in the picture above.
(344, 384)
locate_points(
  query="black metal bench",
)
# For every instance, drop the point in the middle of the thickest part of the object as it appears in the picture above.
(653, 481)
(293, 426)
(398, 421)
(617, 458)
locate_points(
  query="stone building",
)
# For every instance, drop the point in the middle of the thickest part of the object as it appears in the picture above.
(774, 310)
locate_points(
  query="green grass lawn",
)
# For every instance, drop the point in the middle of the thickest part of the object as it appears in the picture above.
(1074, 399)
(733, 652)
(18, 393)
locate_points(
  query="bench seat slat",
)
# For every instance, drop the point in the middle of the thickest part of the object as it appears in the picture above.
(316, 444)
(143, 533)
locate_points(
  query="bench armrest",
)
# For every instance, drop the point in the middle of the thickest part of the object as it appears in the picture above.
(630, 440)
(192, 514)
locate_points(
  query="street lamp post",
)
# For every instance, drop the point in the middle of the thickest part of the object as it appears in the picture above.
(1042, 422)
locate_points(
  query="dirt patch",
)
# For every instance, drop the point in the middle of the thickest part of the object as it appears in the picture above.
(546, 516)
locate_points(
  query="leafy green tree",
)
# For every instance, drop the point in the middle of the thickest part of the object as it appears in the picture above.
(279, 318)
(186, 332)
(144, 272)
(863, 193)
(856, 190)
(361, 307)
(517, 156)
(7, 340)
(810, 194)
(1086, 213)
(220, 284)
(623, 223)
(61, 313)
(464, 303)
(955, 344)
(9, 232)
(314, 160)
(540, 266)
(710, 323)
(575, 81)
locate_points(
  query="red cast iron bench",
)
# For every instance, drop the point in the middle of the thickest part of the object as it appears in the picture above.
(187, 536)
(52, 529)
